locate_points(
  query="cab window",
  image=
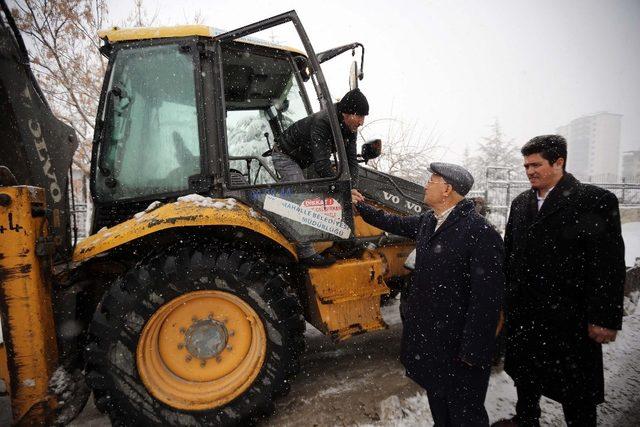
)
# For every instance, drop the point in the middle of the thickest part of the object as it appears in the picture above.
(151, 143)
(262, 99)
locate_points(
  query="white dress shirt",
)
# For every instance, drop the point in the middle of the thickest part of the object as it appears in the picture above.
(541, 199)
(442, 217)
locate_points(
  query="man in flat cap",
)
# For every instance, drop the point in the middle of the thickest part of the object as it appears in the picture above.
(309, 142)
(451, 309)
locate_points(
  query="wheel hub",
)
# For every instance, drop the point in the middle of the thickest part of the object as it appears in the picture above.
(206, 339)
(179, 341)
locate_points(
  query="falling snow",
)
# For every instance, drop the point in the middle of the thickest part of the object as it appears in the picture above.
(362, 383)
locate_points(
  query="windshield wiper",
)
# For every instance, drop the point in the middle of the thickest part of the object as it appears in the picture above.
(107, 128)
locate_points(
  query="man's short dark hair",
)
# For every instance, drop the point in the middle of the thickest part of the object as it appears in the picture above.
(550, 147)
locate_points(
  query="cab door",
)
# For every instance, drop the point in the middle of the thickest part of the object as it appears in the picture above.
(261, 92)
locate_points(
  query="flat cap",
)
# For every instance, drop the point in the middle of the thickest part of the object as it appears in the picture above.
(457, 176)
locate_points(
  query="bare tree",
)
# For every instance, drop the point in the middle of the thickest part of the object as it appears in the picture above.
(63, 44)
(139, 16)
(62, 36)
(406, 150)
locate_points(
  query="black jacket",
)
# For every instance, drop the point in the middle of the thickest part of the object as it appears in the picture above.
(565, 270)
(309, 141)
(450, 311)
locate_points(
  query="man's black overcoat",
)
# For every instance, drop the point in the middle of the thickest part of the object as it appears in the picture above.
(565, 269)
(451, 309)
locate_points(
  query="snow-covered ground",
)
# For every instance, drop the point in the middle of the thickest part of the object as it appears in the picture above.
(362, 383)
(622, 382)
(631, 236)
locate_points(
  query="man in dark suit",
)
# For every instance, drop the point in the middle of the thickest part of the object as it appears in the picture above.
(450, 310)
(565, 274)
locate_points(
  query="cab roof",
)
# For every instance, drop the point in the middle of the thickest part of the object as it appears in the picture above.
(117, 34)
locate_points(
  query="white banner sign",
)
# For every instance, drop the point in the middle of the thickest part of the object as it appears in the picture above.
(306, 216)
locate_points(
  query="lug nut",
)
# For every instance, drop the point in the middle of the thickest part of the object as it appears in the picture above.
(182, 330)
(218, 359)
(188, 358)
(203, 363)
(229, 348)
(232, 333)
(180, 346)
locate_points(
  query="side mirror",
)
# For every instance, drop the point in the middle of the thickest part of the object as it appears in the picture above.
(353, 76)
(371, 150)
(356, 72)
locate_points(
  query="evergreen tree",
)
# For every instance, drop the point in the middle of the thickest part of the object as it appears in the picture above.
(494, 151)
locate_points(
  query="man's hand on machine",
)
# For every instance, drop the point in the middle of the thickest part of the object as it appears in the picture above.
(356, 197)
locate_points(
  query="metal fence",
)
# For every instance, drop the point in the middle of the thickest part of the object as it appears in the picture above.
(79, 215)
(500, 190)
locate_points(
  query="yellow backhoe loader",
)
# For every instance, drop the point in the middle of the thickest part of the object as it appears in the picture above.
(186, 305)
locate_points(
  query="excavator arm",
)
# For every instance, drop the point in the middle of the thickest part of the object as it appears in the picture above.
(36, 151)
(34, 145)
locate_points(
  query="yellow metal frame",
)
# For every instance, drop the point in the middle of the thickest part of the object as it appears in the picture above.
(344, 299)
(394, 257)
(25, 305)
(193, 213)
(4, 367)
(363, 229)
(116, 34)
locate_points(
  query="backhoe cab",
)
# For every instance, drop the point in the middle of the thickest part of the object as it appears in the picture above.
(187, 300)
(198, 114)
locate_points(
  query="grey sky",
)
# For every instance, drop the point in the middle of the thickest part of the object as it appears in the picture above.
(455, 66)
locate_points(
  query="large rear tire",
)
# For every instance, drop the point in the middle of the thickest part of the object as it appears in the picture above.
(200, 336)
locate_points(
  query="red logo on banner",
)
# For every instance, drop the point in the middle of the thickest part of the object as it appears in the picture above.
(328, 206)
